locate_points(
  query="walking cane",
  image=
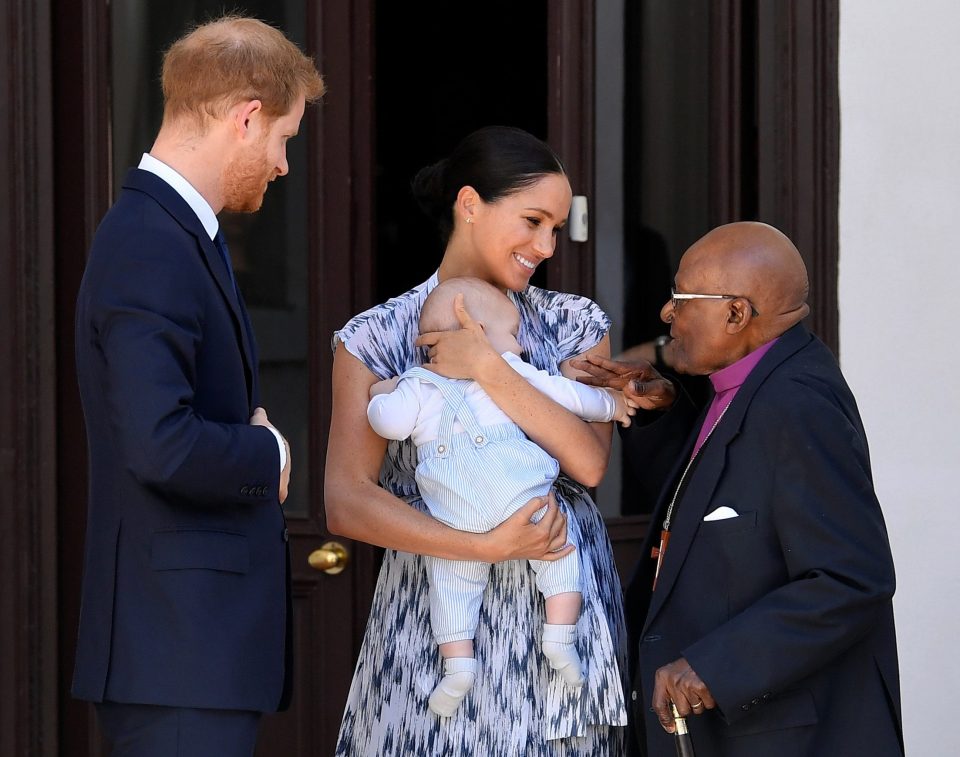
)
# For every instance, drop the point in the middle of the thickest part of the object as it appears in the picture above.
(681, 735)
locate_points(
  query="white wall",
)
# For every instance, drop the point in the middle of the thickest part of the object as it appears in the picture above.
(899, 330)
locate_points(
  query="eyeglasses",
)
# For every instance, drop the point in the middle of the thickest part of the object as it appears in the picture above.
(678, 297)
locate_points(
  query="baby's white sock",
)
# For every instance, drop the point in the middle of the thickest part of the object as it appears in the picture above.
(459, 674)
(559, 646)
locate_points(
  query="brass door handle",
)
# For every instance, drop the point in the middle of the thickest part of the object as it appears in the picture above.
(331, 558)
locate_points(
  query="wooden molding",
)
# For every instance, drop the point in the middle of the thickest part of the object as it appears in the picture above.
(28, 557)
(570, 130)
(798, 135)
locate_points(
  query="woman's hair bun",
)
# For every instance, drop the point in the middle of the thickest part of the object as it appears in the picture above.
(496, 161)
(429, 190)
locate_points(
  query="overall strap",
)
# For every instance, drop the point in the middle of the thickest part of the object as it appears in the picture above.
(455, 407)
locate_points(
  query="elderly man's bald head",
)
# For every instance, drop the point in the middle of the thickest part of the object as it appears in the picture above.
(756, 263)
(759, 262)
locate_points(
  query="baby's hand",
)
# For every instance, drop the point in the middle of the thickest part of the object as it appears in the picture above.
(625, 409)
(384, 387)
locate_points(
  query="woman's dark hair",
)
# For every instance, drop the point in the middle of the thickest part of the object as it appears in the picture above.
(497, 161)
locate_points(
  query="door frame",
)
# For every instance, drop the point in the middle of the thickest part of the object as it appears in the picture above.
(28, 420)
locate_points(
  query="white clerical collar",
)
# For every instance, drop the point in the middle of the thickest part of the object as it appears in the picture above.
(185, 189)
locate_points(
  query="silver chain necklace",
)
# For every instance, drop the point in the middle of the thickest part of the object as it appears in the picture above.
(676, 493)
(659, 552)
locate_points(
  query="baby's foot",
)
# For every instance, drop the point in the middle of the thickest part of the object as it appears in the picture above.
(560, 648)
(459, 674)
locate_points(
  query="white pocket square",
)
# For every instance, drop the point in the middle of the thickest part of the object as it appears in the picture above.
(722, 513)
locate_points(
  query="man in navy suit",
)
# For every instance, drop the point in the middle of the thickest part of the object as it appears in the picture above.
(184, 634)
(764, 614)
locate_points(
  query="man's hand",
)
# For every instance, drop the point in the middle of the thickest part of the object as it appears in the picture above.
(519, 538)
(641, 385)
(285, 473)
(678, 683)
(458, 354)
(259, 418)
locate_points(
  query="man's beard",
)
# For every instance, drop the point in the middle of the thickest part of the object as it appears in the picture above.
(244, 183)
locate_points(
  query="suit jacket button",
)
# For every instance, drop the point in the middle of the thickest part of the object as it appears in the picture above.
(261, 491)
(245, 490)
(633, 696)
(745, 707)
(755, 701)
(767, 697)
(286, 534)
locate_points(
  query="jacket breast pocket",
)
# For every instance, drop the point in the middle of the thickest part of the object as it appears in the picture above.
(745, 521)
(200, 550)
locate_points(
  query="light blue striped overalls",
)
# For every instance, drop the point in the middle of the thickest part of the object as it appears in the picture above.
(473, 481)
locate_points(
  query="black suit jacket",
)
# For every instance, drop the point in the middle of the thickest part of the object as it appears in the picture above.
(185, 596)
(785, 611)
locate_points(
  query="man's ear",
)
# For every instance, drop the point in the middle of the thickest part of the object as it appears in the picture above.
(244, 114)
(467, 204)
(739, 315)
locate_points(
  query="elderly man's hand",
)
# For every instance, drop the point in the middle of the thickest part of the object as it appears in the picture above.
(641, 385)
(678, 683)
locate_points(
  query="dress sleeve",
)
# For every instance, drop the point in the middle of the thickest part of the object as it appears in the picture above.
(581, 324)
(382, 338)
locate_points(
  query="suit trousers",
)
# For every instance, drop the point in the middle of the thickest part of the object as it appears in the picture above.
(141, 730)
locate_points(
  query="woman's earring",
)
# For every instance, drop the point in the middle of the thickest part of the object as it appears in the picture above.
(469, 220)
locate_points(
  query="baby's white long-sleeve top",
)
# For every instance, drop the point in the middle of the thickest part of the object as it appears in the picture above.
(413, 409)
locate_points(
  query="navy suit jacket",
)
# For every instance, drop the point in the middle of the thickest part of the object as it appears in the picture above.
(186, 570)
(785, 611)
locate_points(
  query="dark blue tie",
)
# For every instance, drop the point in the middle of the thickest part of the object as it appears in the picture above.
(221, 244)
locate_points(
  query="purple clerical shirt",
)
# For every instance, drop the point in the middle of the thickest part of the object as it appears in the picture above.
(726, 383)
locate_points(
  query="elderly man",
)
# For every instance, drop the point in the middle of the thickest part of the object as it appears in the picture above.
(765, 612)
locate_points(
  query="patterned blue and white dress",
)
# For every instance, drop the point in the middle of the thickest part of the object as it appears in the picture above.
(519, 706)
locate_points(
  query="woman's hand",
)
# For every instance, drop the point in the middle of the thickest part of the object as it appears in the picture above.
(641, 385)
(461, 354)
(517, 538)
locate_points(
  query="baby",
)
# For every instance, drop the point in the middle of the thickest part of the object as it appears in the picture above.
(476, 468)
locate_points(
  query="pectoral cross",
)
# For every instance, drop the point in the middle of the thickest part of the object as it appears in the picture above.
(657, 553)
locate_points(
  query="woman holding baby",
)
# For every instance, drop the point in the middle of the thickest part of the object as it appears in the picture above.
(499, 201)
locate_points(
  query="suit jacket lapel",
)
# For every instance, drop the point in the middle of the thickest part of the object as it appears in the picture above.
(704, 477)
(180, 211)
(218, 269)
